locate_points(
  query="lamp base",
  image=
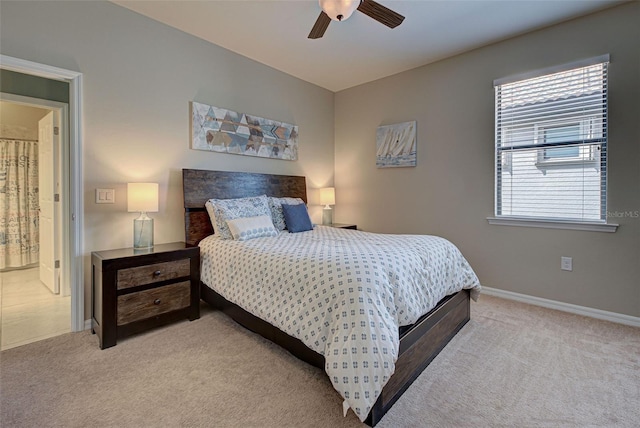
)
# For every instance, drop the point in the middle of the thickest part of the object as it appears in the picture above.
(143, 232)
(327, 216)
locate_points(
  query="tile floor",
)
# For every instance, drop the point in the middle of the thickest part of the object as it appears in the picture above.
(29, 311)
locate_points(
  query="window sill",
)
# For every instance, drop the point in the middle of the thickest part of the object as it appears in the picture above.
(553, 224)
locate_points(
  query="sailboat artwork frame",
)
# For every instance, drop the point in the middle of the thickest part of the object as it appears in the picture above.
(396, 145)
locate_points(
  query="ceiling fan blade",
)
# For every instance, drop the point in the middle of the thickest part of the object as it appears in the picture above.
(380, 13)
(320, 26)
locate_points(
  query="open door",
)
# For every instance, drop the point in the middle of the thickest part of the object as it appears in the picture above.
(48, 136)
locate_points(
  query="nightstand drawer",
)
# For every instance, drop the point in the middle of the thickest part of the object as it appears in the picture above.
(150, 274)
(149, 303)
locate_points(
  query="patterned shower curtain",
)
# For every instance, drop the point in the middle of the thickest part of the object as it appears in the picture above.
(19, 203)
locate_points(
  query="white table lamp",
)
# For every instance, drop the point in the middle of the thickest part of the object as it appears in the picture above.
(142, 198)
(327, 197)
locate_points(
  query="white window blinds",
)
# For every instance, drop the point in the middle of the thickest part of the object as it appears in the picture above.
(551, 145)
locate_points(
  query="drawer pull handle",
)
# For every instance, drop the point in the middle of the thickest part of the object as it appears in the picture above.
(156, 302)
(157, 273)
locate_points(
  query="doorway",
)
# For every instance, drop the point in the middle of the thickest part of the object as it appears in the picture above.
(72, 208)
(35, 296)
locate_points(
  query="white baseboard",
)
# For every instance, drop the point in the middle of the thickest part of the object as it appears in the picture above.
(565, 307)
(545, 303)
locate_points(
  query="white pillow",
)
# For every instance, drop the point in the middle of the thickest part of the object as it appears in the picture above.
(221, 210)
(246, 228)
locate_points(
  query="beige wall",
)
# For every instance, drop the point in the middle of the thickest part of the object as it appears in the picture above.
(20, 115)
(19, 121)
(450, 192)
(139, 76)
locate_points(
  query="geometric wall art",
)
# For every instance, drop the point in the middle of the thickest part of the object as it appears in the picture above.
(396, 145)
(225, 131)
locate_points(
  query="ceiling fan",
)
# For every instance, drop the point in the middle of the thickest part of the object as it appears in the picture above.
(339, 10)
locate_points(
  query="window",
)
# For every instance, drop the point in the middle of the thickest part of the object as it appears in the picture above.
(557, 134)
(551, 144)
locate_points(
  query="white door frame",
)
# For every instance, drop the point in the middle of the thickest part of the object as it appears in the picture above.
(73, 216)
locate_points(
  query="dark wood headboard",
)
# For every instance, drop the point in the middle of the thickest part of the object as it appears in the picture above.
(200, 185)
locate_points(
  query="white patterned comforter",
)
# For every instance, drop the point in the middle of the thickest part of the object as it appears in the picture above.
(344, 293)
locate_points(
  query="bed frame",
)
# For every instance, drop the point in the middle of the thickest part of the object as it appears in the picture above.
(419, 343)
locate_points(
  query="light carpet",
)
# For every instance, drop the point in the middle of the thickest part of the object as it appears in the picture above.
(512, 365)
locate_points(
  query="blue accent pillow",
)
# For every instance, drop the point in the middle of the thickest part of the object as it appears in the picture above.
(275, 204)
(296, 217)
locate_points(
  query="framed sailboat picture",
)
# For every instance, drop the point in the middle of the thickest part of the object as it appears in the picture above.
(396, 145)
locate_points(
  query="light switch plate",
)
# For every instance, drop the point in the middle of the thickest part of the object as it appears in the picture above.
(105, 196)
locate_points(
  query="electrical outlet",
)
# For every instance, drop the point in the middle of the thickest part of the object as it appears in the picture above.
(566, 263)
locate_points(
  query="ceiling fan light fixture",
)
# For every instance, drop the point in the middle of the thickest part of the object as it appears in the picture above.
(339, 10)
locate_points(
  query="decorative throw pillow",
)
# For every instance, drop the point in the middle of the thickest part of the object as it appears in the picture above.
(297, 218)
(275, 205)
(221, 210)
(246, 228)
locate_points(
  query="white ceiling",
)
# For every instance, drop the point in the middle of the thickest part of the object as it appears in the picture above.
(359, 49)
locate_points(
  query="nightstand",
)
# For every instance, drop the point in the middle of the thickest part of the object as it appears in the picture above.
(343, 226)
(135, 290)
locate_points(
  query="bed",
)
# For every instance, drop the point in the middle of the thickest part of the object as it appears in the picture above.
(418, 343)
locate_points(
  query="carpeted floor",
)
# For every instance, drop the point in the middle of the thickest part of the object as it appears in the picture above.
(512, 365)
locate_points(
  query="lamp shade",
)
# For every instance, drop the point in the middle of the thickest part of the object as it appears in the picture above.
(339, 10)
(142, 197)
(328, 196)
